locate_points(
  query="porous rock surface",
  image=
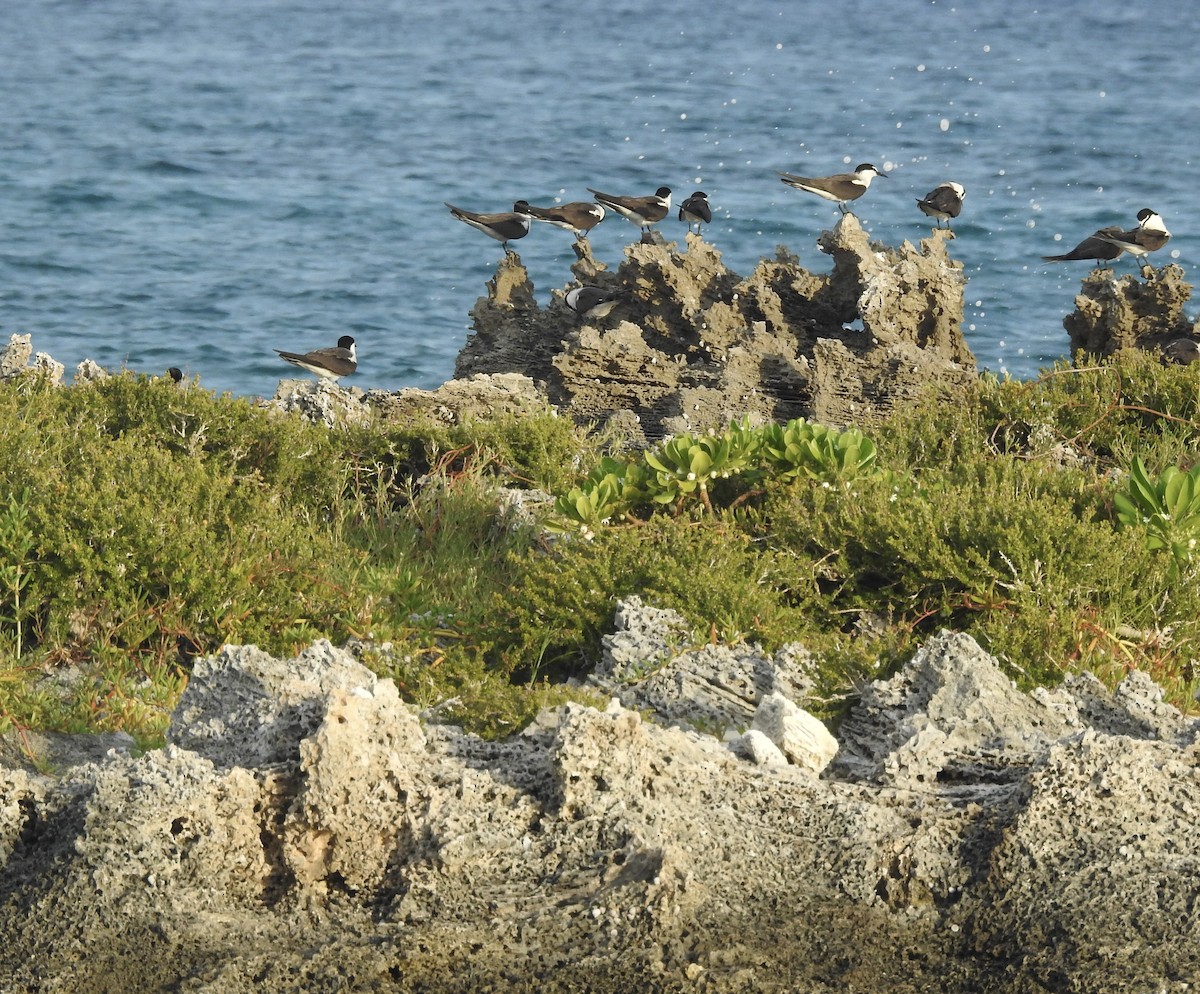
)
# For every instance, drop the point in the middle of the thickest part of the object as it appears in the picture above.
(17, 359)
(693, 345)
(1128, 312)
(305, 831)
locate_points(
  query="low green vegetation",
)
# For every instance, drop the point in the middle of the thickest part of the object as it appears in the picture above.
(142, 524)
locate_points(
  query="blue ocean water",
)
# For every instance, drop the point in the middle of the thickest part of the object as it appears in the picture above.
(198, 182)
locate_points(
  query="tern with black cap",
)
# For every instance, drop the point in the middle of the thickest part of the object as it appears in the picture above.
(1181, 352)
(943, 202)
(505, 227)
(580, 216)
(1112, 242)
(695, 210)
(840, 188)
(642, 211)
(1150, 235)
(1095, 248)
(329, 364)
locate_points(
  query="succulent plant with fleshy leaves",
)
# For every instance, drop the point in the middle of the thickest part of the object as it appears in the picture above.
(816, 451)
(1168, 508)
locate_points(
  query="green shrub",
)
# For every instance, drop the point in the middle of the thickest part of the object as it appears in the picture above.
(711, 571)
(143, 523)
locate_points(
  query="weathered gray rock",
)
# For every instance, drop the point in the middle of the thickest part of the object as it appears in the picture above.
(971, 838)
(477, 397)
(650, 664)
(15, 361)
(802, 739)
(694, 345)
(949, 716)
(90, 371)
(57, 752)
(758, 748)
(1113, 313)
(321, 401)
(243, 707)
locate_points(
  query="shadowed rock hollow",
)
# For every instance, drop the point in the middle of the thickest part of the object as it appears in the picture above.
(693, 345)
(305, 832)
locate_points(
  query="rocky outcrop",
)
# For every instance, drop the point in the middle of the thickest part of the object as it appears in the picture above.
(693, 345)
(1129, 313)
(305, 831)
(17, 359)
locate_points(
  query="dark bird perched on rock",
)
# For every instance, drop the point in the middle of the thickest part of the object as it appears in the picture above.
(642, 211)
(580, 216)
(840, 188)
(1111, 243)
(505, 227)
(329, 364)
(695, 210)
(1181, 352)
(943, 202)
(593, 301)
(1149, 236)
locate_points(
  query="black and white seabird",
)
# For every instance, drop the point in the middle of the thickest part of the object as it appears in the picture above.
(695, 210)
(1181, 352)
(841, 189)
(580, 216)
(593, 301)
(1150, 235)
(642, 211)
(505, 227)
(943, 202)
(329, 364)
(1112, 242)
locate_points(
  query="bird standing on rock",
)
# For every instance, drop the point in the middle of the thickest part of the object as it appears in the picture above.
(504, 227)
(943, 202)
(642, 211)
(1149, 236)
(1111, 242)
(580, 216)
(840, 188)
(695, 210)
(328, 364)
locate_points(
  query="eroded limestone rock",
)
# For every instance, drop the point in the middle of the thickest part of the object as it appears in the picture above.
(321, 401)
(1112, 314)
(651, 663)
(477, 397)
(694, 345)
(800, 737)
(352, 847)
(15, 361)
